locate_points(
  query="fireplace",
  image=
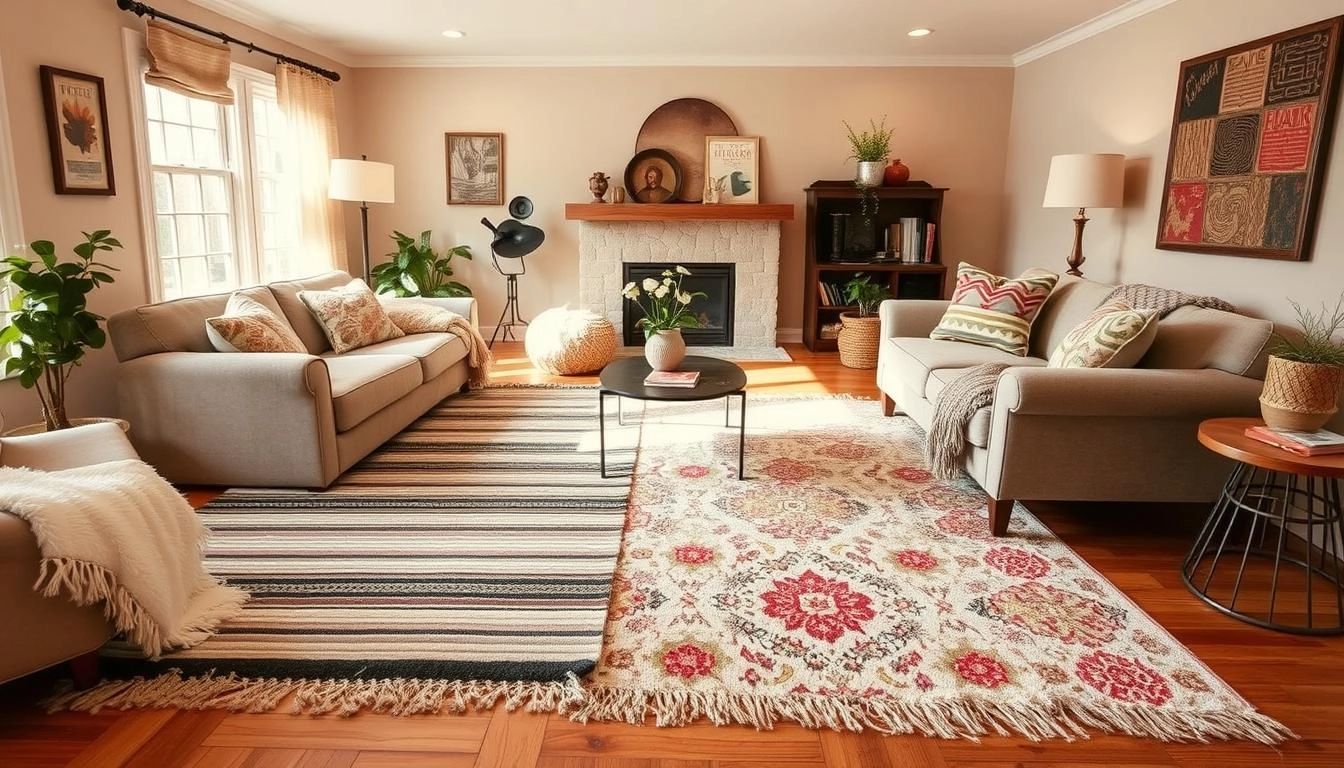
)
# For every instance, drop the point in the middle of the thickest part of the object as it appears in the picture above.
(714, 310)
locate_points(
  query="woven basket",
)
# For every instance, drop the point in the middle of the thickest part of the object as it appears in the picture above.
(858, 340)
(1300, 396)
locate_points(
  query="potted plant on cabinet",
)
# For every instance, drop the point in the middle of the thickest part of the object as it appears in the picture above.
(859, 330)
(50, 327)
(417, 270)
(870, 149)
(1305, 374)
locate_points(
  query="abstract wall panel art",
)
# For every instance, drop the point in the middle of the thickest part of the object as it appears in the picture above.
(1249, 143)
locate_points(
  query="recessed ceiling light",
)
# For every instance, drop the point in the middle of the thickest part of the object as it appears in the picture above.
(921, 32)
(455, 34)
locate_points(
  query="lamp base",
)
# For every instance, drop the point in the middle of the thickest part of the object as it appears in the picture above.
(510, 311)
(1076, 258)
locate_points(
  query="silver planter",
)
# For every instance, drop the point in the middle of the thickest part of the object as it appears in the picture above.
(869, 173)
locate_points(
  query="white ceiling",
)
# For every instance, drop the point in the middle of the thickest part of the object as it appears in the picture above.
(681, 32)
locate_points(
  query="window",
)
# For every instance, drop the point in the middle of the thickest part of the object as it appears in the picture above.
(11, 234)
(225, 210)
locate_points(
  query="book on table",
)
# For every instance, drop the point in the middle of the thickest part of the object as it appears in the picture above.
(1317, 443)
(671, 378)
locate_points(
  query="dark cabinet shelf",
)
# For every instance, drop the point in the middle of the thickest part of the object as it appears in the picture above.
(842, 241)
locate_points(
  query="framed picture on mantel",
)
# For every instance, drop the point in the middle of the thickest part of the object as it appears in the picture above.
(732, 169)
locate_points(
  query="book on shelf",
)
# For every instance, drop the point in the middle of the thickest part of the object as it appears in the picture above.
(822, 295)
(1317, 443)
(929, 230)
(671, 378)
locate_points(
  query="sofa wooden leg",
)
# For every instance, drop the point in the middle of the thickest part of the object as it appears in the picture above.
(999, 512)
(84, 669)
(888, 405)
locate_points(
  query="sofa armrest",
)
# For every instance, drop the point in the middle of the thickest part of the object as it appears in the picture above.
(67, 448)
(1128, 392)
(910, 317)
(219, 418)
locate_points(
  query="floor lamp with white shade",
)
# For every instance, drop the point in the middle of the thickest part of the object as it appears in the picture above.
(366, 182)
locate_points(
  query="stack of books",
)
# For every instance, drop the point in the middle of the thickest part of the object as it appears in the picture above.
(1318, 443)
(671, 378)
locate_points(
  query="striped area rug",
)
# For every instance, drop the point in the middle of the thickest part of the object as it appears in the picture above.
(479, 544)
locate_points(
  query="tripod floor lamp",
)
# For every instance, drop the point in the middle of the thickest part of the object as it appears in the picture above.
(513, 240)
(364, 181)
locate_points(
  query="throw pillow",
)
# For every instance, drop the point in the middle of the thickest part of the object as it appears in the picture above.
(994, 311)
(1115, 335)
(249, 326)
(413, 316)
(350, 316)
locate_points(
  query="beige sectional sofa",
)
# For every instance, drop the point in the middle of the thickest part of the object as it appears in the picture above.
(203, 417)
(1083, 434)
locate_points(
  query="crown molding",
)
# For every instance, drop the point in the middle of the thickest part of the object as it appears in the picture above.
(1091, 28)
(274, 27)
(681, 61)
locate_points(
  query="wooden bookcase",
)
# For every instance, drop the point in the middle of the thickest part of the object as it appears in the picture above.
(828, 202)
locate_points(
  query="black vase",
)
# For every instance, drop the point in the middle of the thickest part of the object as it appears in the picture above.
(838, 226)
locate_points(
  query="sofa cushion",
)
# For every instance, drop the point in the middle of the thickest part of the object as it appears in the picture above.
(977, 429)
(248, 326)
(1195, 337)
(1114, 335)
(362, 385)
(350, 316)
(1072, 299)
(174, 326)
(913, 359)
(994, 311)
(437, 352)
(286, 293)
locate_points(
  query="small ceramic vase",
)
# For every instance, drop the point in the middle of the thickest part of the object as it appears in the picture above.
(597, 184)
(897, 173)
(618, 195)
(665, 350)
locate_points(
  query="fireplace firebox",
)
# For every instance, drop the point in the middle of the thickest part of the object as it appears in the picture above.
(714, 311)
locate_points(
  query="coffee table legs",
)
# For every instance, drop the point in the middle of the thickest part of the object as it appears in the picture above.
(727, 422)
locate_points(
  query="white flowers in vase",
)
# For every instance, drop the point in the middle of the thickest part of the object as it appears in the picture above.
(666, 306)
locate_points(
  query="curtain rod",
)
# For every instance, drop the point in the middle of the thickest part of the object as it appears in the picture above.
(140, 9)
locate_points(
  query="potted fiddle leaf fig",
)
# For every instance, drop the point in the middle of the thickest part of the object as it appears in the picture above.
(1306, 371)
(859, 330)
(49, 325)
(416, 269)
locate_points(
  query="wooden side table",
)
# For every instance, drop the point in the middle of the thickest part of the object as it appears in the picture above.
(1245, 551)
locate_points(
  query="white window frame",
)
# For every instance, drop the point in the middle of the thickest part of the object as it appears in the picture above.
(247, 243)
(11, 219)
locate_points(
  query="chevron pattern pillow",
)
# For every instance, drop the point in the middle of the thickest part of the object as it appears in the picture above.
(994, 311)
(1115, 335)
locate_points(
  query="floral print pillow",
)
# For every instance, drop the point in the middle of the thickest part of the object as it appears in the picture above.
(350, 316)
(248, 326)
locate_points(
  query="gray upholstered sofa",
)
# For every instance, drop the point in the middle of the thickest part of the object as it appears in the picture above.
(1083, 434)
(203, 417)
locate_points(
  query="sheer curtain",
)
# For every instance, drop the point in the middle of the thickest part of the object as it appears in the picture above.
(310, 110)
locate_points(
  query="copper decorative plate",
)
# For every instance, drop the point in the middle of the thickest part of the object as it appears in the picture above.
(680, 127)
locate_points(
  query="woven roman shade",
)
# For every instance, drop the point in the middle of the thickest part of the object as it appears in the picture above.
(187, 65)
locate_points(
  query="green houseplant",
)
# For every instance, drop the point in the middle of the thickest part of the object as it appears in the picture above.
(50, 326)
(870, 149)
(416, 269)
(1306, 371)
(859, 330)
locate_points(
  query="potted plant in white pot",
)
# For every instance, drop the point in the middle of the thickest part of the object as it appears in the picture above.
(859, 330)
(1305, 373)
(50, 327)
(870, 149)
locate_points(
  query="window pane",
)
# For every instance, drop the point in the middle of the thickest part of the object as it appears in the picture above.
(221, 272)
(158, 154)
(195, 276)
(215, 194)
(217, 233)
(171, 279)
(167, 236)
(177, 141)
(186, 193)
(152, 109)
(206, 143)
(175, 109)
(204, 114)
(190, 235)
(163, 192)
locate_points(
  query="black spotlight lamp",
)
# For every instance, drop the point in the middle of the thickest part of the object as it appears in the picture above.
(513, 240)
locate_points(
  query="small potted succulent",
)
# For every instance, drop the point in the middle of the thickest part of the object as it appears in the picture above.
(859, 330)
(1306, 371)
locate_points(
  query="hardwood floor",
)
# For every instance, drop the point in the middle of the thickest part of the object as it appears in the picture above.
(1298, 680)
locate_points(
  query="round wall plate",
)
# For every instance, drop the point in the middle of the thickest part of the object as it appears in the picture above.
(653, 176)
(520, 207)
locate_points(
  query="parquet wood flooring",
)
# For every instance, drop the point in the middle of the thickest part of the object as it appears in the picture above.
(1298, 680)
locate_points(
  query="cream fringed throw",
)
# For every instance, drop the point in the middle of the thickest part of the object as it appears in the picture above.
(118, 533)
(956, 404)
(413, 316)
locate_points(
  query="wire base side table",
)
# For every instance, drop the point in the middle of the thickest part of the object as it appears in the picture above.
(1246, 562)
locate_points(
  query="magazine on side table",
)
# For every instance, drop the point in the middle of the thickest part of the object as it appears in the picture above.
(672, 379)
(1317, 443)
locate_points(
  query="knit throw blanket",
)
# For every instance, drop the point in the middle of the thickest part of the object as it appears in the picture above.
(956, 404)
(1163, 300)
(413, 315)
(119, 534)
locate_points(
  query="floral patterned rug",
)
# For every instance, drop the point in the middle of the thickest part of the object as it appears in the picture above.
(842, 586)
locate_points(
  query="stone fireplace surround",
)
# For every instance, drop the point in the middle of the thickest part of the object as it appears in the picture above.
(752, 245)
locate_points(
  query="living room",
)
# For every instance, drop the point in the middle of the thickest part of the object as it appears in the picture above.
(984, 126)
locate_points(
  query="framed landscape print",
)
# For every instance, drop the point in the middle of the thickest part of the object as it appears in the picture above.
(75, 108)
(475, 168)
(732, 169)
(1248, 145)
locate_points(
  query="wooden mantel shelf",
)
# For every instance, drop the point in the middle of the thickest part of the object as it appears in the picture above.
(678, 212)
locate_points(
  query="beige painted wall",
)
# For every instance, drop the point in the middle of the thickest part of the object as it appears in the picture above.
(1114, 93)
(561, 125)
(86, 36)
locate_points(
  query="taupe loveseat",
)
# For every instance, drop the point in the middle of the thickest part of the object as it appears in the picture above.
(202, 417)
(1083, 434)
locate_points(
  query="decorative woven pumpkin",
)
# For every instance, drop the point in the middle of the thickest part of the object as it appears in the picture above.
(568, 341)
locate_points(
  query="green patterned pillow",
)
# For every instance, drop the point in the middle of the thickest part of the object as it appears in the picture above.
(1115, 335)
(994, 311)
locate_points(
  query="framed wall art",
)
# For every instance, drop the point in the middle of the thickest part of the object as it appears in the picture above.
(75, 107)
(475, 168)
(1248, 148)
(732, 169)
(653, 176)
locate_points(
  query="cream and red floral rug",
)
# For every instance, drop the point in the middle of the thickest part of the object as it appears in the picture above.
(842, 586)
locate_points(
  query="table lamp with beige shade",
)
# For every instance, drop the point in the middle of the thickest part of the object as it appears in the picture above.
(1082, 182)
(367, 182)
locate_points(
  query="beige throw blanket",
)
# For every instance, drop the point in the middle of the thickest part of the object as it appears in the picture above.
(119, 534)
(416, 316)
(956, 404)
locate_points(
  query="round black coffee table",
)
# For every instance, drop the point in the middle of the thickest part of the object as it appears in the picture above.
(718, 378)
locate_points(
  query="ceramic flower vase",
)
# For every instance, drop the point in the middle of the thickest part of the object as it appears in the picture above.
(895, 174)
(665, 350)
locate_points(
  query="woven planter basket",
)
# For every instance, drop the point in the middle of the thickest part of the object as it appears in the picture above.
(1300, 396)
(858, 340)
